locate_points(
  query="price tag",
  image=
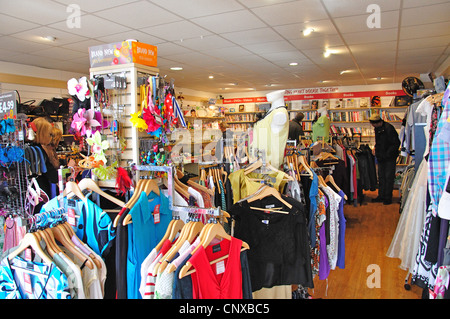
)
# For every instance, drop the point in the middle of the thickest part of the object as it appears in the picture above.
(27, 283)
(156, 215)
(8, 106)
(220, 267)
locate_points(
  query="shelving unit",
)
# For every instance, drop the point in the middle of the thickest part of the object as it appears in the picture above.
(241, 121)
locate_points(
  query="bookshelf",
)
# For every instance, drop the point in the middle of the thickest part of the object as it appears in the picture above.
(241, 121)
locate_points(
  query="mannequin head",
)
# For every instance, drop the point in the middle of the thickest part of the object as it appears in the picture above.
(276, 98)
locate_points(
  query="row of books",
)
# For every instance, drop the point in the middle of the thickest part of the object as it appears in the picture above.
(351, 130)
(405, 160)
(241, 117)
(240, 126)
(360, 116)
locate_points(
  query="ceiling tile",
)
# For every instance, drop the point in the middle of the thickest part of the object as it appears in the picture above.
(198, 8)
(131, 34)
(371, 36)
(19, 45)
(345, 8)
(423, 52)
(229, 53)
(176, 31)
(420, 3)
(412, 44)
(426, 14)
(229, 22)
(9, 25)
(92, 27)
(142, 14)
(294, 31)
(93, 6)
(359, 23)
(317, 42)
(59, 53)
(291, 12)
(423, 31)
(269, 47)
(41, 12)
(205, 43)
(260, 35)
(36, 35)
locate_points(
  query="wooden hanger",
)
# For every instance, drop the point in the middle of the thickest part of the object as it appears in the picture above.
(31, 240)
(72, 187)
(72, 234)
(61, 235)
(269, 191)
(213, 231)
(303, 164)
(151, 185)
(90, 184)
(330, 179)
(137, 193)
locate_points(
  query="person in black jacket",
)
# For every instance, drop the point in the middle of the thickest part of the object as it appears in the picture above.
(295, 128)
(387, 146)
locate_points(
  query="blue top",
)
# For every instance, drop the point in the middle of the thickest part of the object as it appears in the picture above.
(313, 192)
(143, 235)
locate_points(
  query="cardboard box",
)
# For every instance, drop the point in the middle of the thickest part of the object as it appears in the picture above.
(122, 53)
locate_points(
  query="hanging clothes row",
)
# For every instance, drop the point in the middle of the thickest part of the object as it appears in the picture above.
(197, 261)
(421, 236)
(58, 266)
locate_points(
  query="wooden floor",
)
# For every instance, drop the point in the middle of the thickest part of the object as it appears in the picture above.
(369, 232)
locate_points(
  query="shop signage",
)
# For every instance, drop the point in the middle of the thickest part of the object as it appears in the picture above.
(8, 105)
(122, 53)
(317, 94)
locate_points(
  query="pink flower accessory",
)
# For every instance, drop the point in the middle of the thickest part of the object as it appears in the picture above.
(84, 122)
(78, 88)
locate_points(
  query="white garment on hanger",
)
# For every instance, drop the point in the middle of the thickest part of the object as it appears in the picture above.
(406, 239)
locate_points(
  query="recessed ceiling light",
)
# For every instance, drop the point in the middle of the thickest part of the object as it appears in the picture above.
(49, 38)
(293, 63)
(344, 71)
(176, 68)
(328, 52)
(378, 78)
(307, 31)
(211, 77)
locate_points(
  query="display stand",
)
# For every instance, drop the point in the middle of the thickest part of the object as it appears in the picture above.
(130, 103)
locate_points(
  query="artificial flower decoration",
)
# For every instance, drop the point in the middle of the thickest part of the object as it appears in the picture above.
(78, 88)
(153, 127)
(103, 123)
(98, 147)
(138, 122)
(84, 122)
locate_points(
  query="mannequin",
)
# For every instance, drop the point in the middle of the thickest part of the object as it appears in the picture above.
(321, 128)
(270, 133)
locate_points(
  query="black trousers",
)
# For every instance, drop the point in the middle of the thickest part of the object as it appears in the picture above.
(386, 177)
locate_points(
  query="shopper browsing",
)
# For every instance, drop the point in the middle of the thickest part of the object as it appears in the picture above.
(387, 144)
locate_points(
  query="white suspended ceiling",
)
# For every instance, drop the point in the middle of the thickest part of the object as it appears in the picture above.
(243, 44)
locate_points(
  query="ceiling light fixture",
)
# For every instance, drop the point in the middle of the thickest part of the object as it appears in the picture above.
(176, 68)
(307, 31)
(49, 38)
(328, 52)
(293, 63)
(345, 71)
(211, 77)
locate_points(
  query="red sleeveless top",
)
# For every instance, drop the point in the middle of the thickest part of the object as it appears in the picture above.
(222, 280)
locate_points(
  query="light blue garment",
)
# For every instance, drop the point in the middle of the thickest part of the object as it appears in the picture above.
(94, 226)
(144, 235)
(341, 240)
(46, 281)
(313, 193)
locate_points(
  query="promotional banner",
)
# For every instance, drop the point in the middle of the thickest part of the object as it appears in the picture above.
(122, 53)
